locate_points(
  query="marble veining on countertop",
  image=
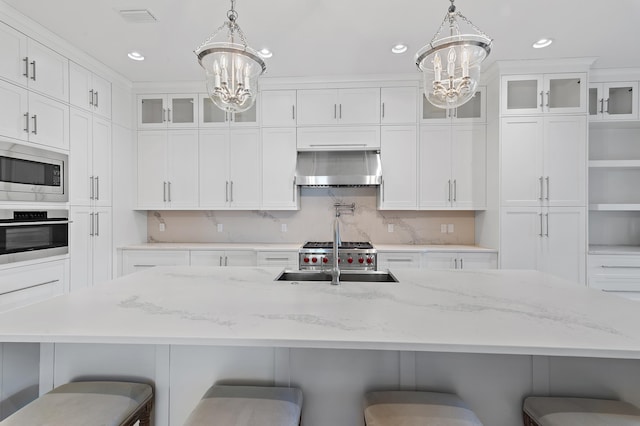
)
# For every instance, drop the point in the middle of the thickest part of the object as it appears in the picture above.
(498, 311)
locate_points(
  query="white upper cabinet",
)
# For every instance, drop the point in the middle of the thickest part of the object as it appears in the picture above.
(563, 93)
(89, 91)
(399, 105)
(544, 161)
(338, 106)
(230, 169)
(14, 111)
(278, 108)
(33, 65)
(613, 101)
(473, 111)
(168, 169)
(452, 167)
(211, 116)
(399, 168)
(279, 156)
(167, 111)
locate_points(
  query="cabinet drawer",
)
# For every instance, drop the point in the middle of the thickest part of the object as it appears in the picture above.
(398, 260)
(278, 258)
(137, 260)
(223, 258)
(30, 284)
(614, 273)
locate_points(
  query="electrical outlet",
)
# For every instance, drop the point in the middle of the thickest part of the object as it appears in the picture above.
(450, 228)
(161, 227)
(443, 228)
(390, 227)
(220, 227)
(283, 227)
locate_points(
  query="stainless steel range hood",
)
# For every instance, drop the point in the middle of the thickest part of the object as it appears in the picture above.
(338, 168)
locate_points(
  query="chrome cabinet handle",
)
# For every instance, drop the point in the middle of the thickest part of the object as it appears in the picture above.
(164, 192)
(231, 193)
(91, 225)
(294, 190)
(97, 216)
(169, 190)
(26, 67)
(96, 102)
(220, 260)
(226, 261)
(541, 99)
(383, 110)
(91, 97)
(33, 66)
(97, 180)
(455, 190)
(26, 115)
(461, 264)
(91, 187)
(340, 111)
(619, 267)
(226, 192)
(607, 101)
(35, 124)
(602, 106)
(449, 199)
(547, 197)
(293, 112)
(548, 98)
(169, 119)
(540, 234)
(335, 108)
(541, 197)
(546, 234)
(164, 115)
(455, 263)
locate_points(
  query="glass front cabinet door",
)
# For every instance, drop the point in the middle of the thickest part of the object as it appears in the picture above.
(472, 111)
(167, 111)
(212, 116)
(613, 101)
(563, 93)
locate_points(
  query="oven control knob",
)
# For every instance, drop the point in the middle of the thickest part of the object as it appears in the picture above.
(361, 260)
(306, 260)
(369, 260)
(339, 260)
(314, 259)
(325, 259)
(350, 260)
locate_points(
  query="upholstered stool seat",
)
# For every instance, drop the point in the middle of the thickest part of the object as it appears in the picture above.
(88, 403)
(558, 411)
(407, 408)
(225, 405)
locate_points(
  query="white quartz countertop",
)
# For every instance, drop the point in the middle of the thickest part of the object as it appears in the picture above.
(296, 246)
(498, 311)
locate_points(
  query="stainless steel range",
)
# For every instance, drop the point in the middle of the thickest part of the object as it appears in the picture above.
(351, 255)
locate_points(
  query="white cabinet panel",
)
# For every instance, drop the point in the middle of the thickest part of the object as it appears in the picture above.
(49, 71)
(338, 106)
(435, 167)
(13, 51)
(101, 162)
(393, 259)
(138, 260)
(338, 138)
(278, 108)
(151, 169)
(399, 168)
(562, 93)
(245, 169)
(279, 156)
(81, 184)
(182, 168)
(317, 107)
(89, 91)
(223, 258)
(563, 244)
(161, 111)
(14, 111)
(214, 168)
(25, 285)
(521, 231)
(613, 101)
(460, 260)
(90, 246)
(399, 105)
(49, 124)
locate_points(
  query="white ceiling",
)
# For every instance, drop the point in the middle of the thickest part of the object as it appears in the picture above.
(335, 37)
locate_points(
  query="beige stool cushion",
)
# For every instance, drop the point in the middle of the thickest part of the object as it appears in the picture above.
(556, 411)
(407, 408)
(82, 404)
(224, 405)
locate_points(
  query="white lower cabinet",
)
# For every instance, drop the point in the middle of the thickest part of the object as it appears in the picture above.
(138, 260)
(24, 285)
(460, 260)
(90, 242)
(618, 274)
(396, 259)
(548, 239)
(223, 258)
(285, 259)
(398, 153)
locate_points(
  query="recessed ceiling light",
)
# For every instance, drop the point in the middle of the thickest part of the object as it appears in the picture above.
(399, 48)
(265, 53)
(136, 56)
(543, 42)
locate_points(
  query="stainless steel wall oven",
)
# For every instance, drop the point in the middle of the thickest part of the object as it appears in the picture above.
(32, 234)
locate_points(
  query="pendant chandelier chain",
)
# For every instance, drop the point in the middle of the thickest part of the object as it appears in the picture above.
(451, 16)
(232, 27)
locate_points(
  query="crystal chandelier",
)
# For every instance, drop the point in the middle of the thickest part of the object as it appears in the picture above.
(232, 69)
(451, 65)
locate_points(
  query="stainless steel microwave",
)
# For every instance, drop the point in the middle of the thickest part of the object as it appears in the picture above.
(32, 174)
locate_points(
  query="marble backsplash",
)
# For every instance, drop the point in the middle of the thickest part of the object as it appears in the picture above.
(314, 222)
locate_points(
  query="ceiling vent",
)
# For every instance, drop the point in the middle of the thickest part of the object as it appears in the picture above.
(137, 16)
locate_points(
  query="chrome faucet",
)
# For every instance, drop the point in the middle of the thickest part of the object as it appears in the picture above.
(335, 269)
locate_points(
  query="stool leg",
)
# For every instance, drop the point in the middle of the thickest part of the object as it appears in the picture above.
(527, 420)
(145, 417)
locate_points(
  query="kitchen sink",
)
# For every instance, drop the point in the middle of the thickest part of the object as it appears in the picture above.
(345, 276)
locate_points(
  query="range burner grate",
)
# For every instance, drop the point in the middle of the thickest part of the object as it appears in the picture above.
(347, 245)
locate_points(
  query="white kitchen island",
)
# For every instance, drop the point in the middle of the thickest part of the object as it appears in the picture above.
(490, 336)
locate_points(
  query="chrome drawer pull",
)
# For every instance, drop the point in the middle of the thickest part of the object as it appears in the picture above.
(28, 287)
(620, 267)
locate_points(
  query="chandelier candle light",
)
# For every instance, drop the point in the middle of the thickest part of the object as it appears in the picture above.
(232, 69)
(451, 65)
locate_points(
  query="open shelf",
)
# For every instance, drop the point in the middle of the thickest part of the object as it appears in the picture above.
(614, 164)
(615, 207)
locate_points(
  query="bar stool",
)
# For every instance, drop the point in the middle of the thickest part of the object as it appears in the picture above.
(408, 408)
(558, 411)
(227, 405)
(88, 403)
